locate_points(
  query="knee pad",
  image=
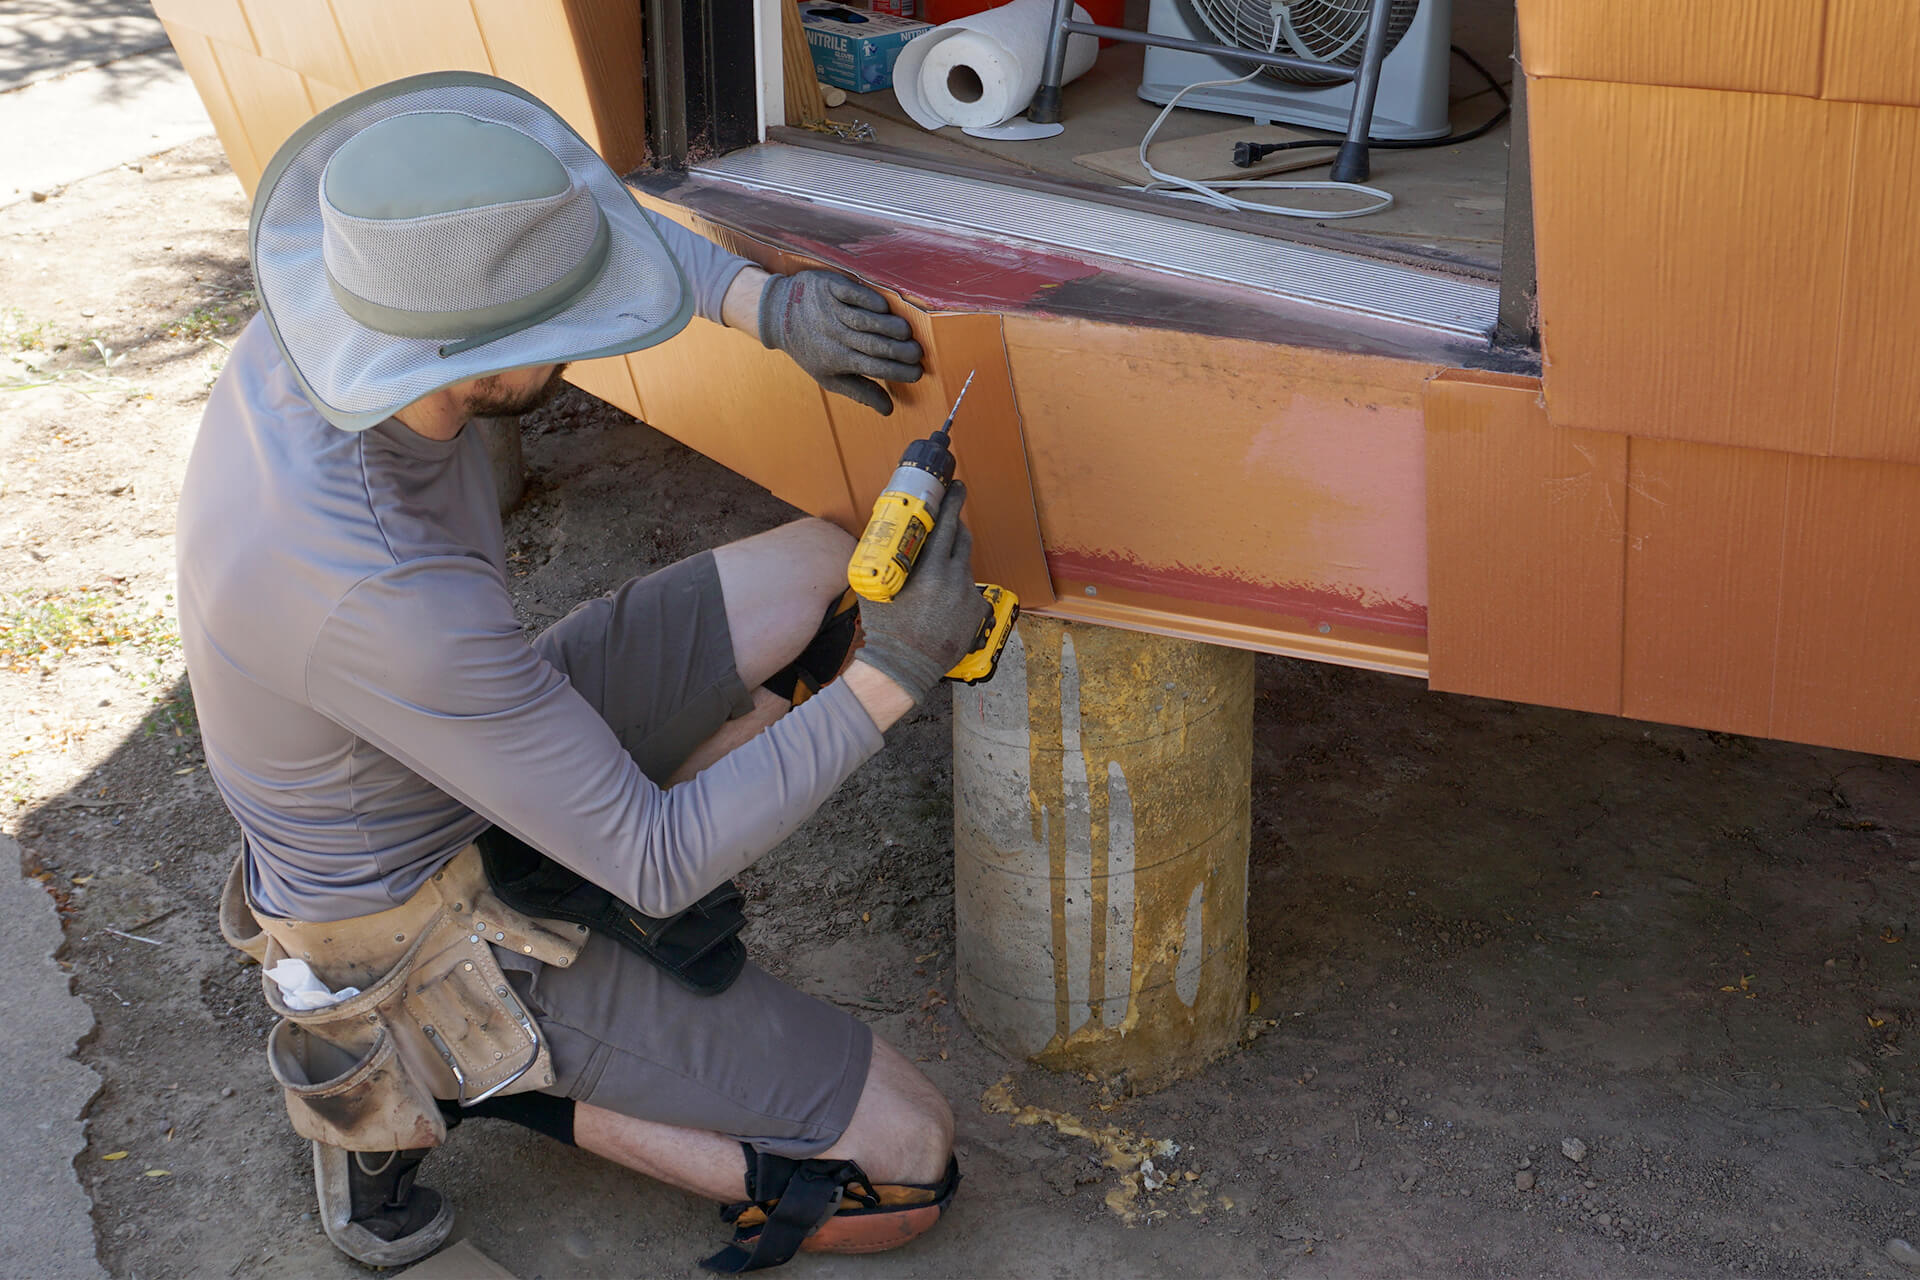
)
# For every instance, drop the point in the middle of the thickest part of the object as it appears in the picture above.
(540, 1112)
(824, 1206)
(825, 655)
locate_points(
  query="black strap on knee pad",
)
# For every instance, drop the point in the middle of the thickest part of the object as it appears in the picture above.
(824, 655)
(540, 1112)
(796, 1196)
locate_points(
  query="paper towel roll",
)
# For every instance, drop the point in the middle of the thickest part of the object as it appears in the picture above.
(982, 70)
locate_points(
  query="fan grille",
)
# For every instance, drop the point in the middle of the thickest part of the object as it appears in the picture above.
(1329, 31)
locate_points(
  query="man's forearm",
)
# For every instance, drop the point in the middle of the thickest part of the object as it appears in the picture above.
(884, 700)
(740, 309)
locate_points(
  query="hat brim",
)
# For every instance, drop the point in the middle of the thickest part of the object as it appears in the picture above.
(357, 376)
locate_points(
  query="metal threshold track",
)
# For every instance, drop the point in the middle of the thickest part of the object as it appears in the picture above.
(1160, 242)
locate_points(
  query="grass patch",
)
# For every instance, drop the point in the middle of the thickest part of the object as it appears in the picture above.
(37, 630)
(18, 335)
(215, 319)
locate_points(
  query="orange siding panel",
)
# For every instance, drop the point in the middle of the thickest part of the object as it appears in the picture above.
(1690, 252)
(388, 39)
(1850, 609)
(196, 55)
(610, 379)
(583, 59)
(1239, 477)
(221, 20)
(1525, 545)
(1704, 535)
(987, 442)
(303, 35)
(1873, 51)
(1767, 46)
(1876, 411)
(271, 100)
(749, 409)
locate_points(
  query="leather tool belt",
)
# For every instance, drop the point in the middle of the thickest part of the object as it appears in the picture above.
(700, 948)
(435, 1017)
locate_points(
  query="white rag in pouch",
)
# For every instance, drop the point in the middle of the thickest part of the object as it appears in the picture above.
(982, 70)
(302, 991)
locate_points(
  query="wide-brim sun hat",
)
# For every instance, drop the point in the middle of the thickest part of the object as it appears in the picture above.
(445, 227)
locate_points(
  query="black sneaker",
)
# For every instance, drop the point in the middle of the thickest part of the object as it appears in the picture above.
(371, 1209)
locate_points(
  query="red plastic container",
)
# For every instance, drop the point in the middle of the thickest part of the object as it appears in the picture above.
(1106, 13)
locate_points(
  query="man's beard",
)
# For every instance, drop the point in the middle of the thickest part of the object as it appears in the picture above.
(494, 403)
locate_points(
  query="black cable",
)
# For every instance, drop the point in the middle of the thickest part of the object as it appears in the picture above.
(1247, 154)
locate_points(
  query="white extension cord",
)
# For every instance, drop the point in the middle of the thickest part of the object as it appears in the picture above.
(1214, 191)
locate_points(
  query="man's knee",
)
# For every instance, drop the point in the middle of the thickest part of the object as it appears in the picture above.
(822, 542)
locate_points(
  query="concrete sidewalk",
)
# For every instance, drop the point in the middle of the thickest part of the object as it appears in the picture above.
(86, 85)
(45, 1216)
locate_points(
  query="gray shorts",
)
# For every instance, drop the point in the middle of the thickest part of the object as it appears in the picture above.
(759, 1062)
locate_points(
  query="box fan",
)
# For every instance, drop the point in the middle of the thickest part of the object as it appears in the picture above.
(1412, 102)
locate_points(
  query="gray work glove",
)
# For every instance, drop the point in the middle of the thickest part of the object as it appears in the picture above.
(922, 633)
(842, 333)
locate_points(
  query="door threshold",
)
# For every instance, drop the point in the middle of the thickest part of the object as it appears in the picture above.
(1152, 241)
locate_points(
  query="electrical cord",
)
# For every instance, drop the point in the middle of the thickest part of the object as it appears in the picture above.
(1248, 154)
(1213, 192)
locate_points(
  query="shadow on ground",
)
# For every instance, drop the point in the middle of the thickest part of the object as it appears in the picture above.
(1478, 930)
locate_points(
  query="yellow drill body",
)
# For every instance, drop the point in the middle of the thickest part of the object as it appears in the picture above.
(902, 519)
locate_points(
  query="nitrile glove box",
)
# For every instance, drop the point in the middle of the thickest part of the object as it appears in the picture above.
(853, 49)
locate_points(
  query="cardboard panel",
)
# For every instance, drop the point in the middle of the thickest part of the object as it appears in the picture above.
(303, 35)
(221, 20)
(1873, 51)
(387, 40)
(1876, 406)
(1690, 248)
(583, 58)
(271, 100)
(1704, 530)
(610, 380)
(1526, 535)
(1850, 607)
(196, 55)
(749, 409)
(1768, 46)
(987, 442)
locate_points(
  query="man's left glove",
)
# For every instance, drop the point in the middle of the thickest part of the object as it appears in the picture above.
(842, 333)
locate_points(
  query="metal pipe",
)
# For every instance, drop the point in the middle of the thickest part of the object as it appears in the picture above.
(1351, 164)
(1045, 108)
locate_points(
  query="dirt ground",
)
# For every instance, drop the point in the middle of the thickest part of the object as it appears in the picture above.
(1483, 935)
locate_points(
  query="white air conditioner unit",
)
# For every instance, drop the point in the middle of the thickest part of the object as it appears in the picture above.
(1412, 101)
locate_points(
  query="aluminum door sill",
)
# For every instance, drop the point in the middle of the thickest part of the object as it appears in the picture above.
(1157, 242)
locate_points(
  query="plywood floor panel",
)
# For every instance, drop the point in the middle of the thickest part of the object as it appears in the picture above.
(1526, 532)
(388, 39)
(196, 56)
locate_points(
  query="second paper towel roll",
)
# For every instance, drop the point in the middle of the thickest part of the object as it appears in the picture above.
(982, 70)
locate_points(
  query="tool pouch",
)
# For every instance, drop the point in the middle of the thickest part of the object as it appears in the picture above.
(434, 1017)
(700, 948)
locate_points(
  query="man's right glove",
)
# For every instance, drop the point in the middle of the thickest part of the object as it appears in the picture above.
(922, 633)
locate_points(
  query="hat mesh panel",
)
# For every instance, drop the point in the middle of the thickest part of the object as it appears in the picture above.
(461, 260)
(355, 370)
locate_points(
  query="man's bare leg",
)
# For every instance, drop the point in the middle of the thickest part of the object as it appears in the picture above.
(777, 587)
(902, 1131)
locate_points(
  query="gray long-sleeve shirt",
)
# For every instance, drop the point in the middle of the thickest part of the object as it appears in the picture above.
(368, 702)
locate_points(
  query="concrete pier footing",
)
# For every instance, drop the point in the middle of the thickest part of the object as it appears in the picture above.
(1102, 789)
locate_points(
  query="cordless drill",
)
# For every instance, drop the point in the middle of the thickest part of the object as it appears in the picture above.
(902, 518)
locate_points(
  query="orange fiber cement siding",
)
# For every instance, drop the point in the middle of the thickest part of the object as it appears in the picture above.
(1238, 485)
